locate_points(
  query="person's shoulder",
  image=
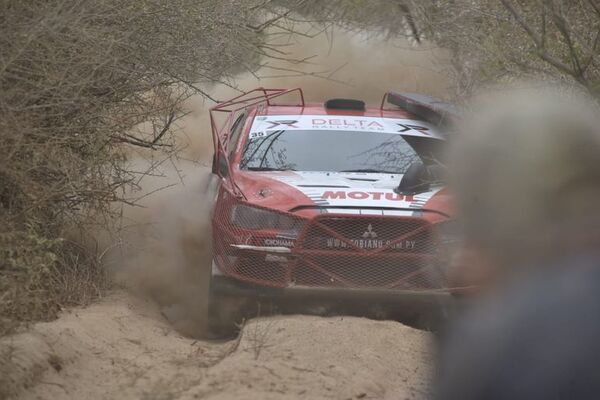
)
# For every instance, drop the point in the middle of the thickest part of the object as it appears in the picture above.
(543, 328)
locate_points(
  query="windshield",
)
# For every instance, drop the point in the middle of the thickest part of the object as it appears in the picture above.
(337, 151)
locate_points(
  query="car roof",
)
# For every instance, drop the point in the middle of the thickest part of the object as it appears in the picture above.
(298, 118)
(320, 109)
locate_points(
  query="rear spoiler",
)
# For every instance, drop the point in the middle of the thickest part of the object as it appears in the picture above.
(429, 109)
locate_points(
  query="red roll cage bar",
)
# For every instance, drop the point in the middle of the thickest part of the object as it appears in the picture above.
(220, 131)
(249, 99)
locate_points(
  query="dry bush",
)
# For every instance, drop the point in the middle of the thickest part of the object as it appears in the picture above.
(500, 40)
(42, 275)
(491, 41)
(379, 17)
(83, 84)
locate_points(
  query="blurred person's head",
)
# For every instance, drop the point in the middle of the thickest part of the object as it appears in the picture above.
(525, 170)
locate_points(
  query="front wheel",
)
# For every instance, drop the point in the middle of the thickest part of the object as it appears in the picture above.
(225, 312)
(224, 316)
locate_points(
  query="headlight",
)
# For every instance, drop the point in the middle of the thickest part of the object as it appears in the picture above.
(253, 218)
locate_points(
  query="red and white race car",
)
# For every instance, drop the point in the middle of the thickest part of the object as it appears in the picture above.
(317, 201)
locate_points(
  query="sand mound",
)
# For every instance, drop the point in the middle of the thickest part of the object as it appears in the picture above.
(122, 347)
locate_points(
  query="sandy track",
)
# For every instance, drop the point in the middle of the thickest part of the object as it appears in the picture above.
(122, 347)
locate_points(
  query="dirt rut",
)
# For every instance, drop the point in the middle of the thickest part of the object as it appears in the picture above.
(122, 347)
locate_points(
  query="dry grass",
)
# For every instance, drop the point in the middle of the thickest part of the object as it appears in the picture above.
(258, 335)
(42, 276)
(84, 86)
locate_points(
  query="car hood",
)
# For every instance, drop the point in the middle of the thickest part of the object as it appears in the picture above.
(337, 192)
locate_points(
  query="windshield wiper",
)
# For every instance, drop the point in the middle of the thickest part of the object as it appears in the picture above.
(369, 170)
(268, 169)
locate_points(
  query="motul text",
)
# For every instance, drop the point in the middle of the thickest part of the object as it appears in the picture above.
(366, 195)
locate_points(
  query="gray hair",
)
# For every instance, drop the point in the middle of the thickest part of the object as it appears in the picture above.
(525, 170)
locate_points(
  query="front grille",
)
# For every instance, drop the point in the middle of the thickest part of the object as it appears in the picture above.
(333, 250)
(368, 252)
(352, 234)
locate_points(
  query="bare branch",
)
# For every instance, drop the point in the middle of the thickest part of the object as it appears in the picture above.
(561, 24)
(538, 41)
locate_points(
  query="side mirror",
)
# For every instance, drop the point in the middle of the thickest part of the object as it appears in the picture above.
(416, 179)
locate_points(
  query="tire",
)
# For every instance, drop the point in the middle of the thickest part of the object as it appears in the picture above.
(225, 313)
(224, 316)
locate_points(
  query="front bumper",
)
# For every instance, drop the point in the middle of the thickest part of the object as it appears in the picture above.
(339, 252)
(351, 301)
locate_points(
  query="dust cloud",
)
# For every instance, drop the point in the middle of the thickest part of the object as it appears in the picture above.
(165, 250)
(337, 64)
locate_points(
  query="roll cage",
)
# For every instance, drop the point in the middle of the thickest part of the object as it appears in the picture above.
(232, 109)
(424, 107)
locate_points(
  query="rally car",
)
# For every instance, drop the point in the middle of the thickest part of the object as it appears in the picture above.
(335, 199)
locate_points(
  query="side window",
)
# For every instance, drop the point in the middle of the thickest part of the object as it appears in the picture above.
(236, 130)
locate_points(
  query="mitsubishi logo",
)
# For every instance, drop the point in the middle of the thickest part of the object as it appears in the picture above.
(370, 233)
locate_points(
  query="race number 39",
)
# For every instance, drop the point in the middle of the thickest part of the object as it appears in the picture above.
(256, 135)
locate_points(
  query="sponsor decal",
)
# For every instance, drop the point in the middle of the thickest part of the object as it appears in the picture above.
(402, 126)
(370, 241)
(256, 135)
(342, 195)
(347, 123)
(279, 242)
(325, 190)
(407, 127)
(286, 124)
(333, 243)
